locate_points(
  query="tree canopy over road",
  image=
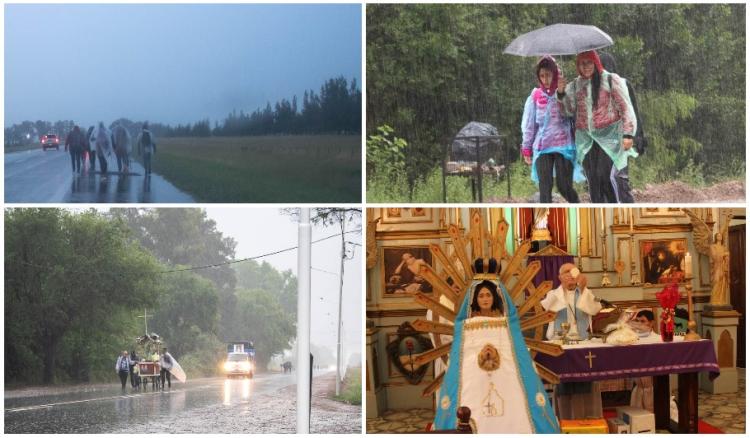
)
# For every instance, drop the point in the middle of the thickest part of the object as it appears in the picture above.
(76, 282)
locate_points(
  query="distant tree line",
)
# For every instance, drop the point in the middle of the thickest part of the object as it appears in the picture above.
(336, 109)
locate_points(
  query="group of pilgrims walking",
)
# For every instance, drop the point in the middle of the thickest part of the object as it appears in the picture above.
(584, 129)
(102, 143)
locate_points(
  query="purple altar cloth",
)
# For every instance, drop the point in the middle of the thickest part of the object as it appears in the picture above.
(611, 362)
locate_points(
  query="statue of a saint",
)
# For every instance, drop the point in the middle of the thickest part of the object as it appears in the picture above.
(540, 231)
(718, 254)
(490, 370)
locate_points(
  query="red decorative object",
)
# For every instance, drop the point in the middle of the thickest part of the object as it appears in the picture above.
(666, 327)
(410, 345)
(668, 298)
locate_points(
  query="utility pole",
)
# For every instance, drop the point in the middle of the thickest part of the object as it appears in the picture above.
(341, 296)
(304, 380)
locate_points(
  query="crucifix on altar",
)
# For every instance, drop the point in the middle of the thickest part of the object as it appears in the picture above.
(591, 358)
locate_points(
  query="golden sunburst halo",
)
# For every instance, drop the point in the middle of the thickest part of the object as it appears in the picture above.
(451, 275)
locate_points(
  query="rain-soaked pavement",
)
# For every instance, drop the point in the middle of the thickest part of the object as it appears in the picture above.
(264, 404)
(35, 176)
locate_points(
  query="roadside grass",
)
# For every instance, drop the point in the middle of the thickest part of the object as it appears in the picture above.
(458, 188)
(351, 389)
(28, 147)
(429, 189)
(316, 168)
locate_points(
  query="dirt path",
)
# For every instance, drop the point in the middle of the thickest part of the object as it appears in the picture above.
(672, 192)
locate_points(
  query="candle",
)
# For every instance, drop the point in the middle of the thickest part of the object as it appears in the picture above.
(602, 211)
(631, 220)
(688, 265)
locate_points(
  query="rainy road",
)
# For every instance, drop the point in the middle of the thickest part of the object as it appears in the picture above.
(264, 404)
(38, 176)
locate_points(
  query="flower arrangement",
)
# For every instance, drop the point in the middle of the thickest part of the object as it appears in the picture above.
(668, 299)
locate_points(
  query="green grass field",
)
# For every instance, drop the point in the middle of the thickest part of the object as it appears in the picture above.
(315, 168)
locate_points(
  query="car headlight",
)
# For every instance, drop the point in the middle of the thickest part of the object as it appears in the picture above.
(227, 366)
(245, 366)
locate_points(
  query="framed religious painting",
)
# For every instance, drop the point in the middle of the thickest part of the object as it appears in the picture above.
(399, 215)
(661, 212)
(403, 348)
(662, 261)
(400, 220)
(400, 265)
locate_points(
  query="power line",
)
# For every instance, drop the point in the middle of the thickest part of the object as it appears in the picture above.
(214, 265)
(230, 262)
(321, 270)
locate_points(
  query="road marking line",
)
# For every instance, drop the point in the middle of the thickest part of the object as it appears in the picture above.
(50, 405)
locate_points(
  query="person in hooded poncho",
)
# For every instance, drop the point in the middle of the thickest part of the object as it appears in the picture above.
(91, 151)
(103, 148)
(490, 368)
(605, 125)
(548, 144)
(121, 145)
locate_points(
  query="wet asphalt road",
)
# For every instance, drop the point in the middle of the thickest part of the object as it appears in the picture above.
(211, 405)
(36, 176)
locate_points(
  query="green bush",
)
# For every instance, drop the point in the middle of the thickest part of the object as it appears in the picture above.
(351, 391)
(206, 359)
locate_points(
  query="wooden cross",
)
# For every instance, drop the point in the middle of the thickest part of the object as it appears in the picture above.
(590, 357)
(145, 319)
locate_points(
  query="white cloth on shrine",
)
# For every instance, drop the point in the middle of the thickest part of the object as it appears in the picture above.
(496, 398)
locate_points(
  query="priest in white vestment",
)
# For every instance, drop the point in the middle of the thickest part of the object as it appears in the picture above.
(573, 302)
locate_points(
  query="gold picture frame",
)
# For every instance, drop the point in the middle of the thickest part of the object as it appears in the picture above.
(406, 215)
(661, 261)
(651, 212)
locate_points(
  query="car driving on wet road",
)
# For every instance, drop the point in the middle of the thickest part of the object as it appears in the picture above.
(50, 141)
(239, 364)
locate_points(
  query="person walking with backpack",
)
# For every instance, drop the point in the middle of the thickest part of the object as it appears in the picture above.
(122, 367)
(548, 145)
(605, 127)
(74, 143)
(639, 141)
(146, 147)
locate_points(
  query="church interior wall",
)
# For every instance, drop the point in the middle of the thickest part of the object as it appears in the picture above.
(387, 311)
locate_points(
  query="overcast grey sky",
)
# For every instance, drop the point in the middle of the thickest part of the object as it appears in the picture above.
(260, 230)
(170, 63)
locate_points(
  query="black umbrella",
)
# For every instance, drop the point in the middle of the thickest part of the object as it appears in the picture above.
(559, 39)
